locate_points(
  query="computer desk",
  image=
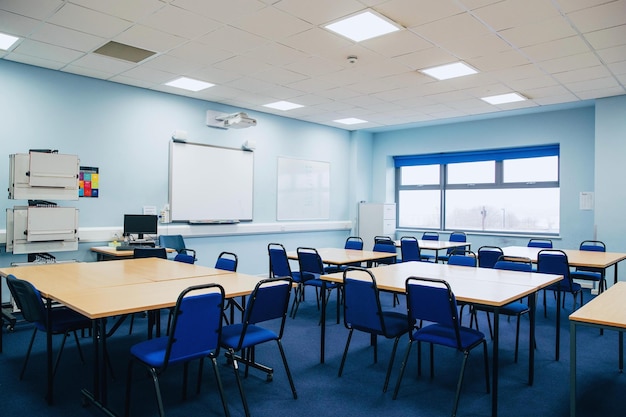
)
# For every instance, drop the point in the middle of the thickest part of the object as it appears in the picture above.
(605, 311)
(104, 253)
(484, 286)
(99, 290)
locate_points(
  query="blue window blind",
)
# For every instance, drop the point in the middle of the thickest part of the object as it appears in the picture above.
(475, 156)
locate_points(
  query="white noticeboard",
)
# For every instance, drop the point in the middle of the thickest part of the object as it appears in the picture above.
(303, 189)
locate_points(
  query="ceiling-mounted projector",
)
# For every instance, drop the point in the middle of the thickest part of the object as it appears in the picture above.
(238, 120)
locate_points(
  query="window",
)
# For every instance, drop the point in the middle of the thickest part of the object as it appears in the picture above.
(503, 190)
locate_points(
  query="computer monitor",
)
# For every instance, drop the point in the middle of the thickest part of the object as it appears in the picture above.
(140, 225)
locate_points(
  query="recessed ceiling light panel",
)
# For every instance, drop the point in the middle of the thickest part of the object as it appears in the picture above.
(189, 84)
(283, 105)
(365, 25)
(445, 72)
(350, 121)
(7, 41)
(504, 98)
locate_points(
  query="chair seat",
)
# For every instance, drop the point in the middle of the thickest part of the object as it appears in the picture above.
(587, 275)
(576, 287)
(64, 320)
(444, 335)
(395, 323)
(512, 309)
(151, 352)
(317, 282)
(254, 335)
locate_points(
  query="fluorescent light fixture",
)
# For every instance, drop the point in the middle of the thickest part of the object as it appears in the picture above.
(350, 121)
(365, 25)
(283, 105)
(504, 98)
(445, 72)
(189, 84)
(7, 41)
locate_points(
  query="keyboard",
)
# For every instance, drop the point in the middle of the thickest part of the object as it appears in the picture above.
(132, 247)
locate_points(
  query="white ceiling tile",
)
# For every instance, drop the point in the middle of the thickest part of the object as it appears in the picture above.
(214, 75)
(618, 67)
(279, 76)
(411, 13)
(498, 61)
(271, 23)
(600, 93)
(89, 21)
(473, 47)
(593, 84)
(58, 35)
(397, 43)
(17, 25)
(103, 63)
(148, 38)
(453, 27)
(511, 13)
(180, 22)
(128, 10)
(319, 11)
(316, 42)
(607, 38)
(556, 49)
(572, 62)
(233, 40)
(314, 66)
(251, 85)
(36, 9)
(599, 17)
(200, 53)
(583, 74)
(573, 5)
(612, 54)
(33, 60)
(47, 51)
(171, 64)
(538, 32)
(222, 11)
(241, 65)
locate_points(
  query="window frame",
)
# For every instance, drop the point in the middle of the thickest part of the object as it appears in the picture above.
(497, 155)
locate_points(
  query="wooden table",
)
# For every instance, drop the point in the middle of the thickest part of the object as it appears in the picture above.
(484, 286)
(337, 256)
(575, 257)
(606, 311)
(110, 252)
(438, 245)
(103, 289)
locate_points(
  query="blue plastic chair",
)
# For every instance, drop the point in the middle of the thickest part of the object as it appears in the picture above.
(195, 334)
(409, 249)
(432, 300)
(591, 274)
(311, 269)
(553, 261)
(384, 244)
(430, 236)
(540, 243)
(62, 319)
(228, 261)
(268, 302)
(488, 256)
(363, 312)
(454, 237)
(177, 243)
(463, 258)
(352, 242)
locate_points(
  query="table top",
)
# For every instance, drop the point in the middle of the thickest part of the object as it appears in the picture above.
(102, 289)
(339, 256)
(575, 257)
(437, 244)
(606, 309)
(486, 286)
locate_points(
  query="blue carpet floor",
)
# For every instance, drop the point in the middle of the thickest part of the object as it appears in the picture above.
(320, 392)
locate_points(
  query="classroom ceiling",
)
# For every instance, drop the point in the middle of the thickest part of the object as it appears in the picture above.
(261, 51)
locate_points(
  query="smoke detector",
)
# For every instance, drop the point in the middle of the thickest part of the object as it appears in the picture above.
(352, 59)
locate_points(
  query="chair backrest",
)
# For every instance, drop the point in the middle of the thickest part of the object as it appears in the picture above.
(150, 253)
(279, 263)
(268, 301)
(354, 242)
(456, 237)
(311, 265)
(28, 300)
(409, 249)
(361, 303)
(593, 246)
(540, 243)
(488, 256)
(432, 300)
(554, 261)
(514, 263)
(463, 258)
(227, 261)
(430, 236)
(196, 323)
(175, 242)
(384, 244)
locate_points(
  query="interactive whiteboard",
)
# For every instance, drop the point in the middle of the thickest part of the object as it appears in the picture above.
(210, 184)
(303, 189)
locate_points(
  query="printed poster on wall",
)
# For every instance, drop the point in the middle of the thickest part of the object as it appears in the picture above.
(88, 182)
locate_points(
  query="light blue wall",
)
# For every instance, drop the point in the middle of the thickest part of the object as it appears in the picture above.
(573, 129)
(125, 131)
(610, 180)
